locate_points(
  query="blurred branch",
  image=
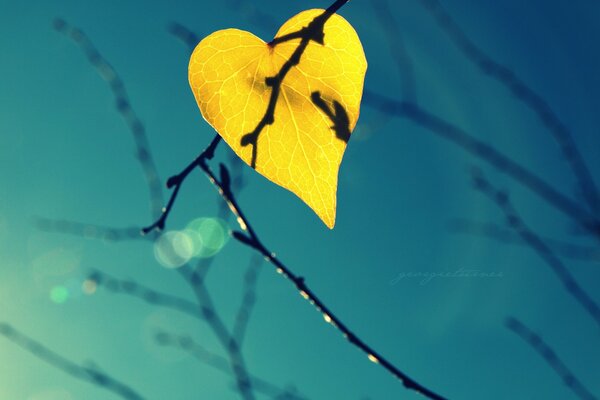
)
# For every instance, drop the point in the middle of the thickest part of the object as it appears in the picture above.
(514, 221)
(208, 311)
(203, 310)
(397, 48)
(313, 32)
(550, 357)
(88, 374)
(151, 296)
(248, 299)
(508, 236)
(108, 73)
(487, 153)
(188, 345)
(523, 93)
(255, 15)
(89, 231)
(185, 35)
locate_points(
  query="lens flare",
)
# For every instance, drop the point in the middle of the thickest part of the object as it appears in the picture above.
(173, 249)
(59, 294)
(209, 235)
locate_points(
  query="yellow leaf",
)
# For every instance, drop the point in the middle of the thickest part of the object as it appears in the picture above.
(288, 117)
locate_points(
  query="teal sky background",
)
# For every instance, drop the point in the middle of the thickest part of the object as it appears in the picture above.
(65, 153)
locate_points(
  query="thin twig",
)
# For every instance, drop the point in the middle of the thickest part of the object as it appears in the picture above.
(90, 231)
(550, 357)
(250, 238)
(149, 295)
(313, 32)
(515, 222)
(88, 374)
(108, 73)
(176, 181)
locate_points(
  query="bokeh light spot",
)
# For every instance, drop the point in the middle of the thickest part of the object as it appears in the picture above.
(59, 294)
(173, 249)
(209, 235)
(89, 286)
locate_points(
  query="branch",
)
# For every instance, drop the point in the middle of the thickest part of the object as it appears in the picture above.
(251, 239)
(550, 357)
(89, 230)
(515, 222)
(88, 374)
(487, 153)
(208, 312)
(254, 14)
(108, 73)
(144, 293)
(203, 310)
(184, 34)
(248, 299)
(525, 94)
(176, 181)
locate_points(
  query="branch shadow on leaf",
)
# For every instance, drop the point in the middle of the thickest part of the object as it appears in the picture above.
(314, 31)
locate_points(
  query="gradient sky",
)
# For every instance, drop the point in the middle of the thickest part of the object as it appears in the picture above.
(65, 153)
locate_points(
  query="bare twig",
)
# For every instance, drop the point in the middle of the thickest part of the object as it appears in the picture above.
(145, 293)
(515, 222)
(88, 374)
(90, 231)
(176, 181)
(108, 73)
(251, 239)
(550, 357)
(313, 32)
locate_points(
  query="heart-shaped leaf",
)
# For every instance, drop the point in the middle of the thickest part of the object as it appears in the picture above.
(287, 107)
